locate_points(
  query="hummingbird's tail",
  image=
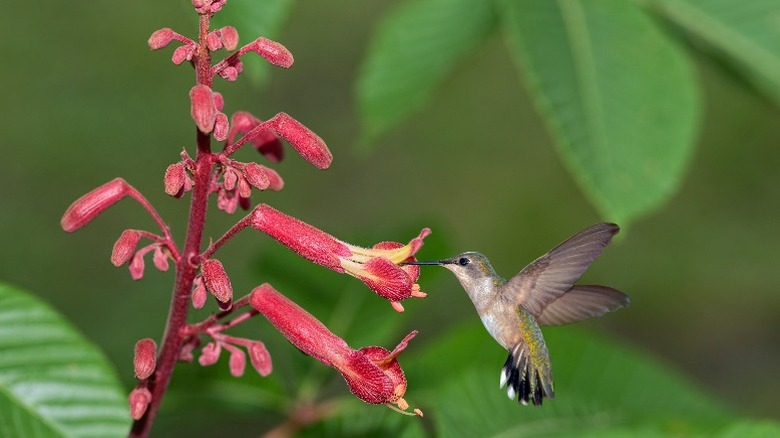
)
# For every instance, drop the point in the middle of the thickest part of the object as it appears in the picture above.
(526, 380)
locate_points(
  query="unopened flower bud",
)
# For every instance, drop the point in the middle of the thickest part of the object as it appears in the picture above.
(137, 266)
(237, 362)
(124, 248)
(307, 143)
(260, 358)
(221, 127)
(216, 280)
(139, 400)
(210, 354)
(89, 206)
(273, 52)
(213, 41)
(229, 73)
(229, 37)
(229, 179)
(275, 182)
(174, 179)
(160, 38)
(145, 358)
(199, 293)
(203, 109)
(161, 258)
(219, 101)
(256, 176)
(183, 53)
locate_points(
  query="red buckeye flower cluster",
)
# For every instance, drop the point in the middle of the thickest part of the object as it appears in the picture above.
(373, 374)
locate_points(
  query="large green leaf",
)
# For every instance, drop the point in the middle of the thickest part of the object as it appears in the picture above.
(602, 389)
(619, 97)
(254, 19)
(414, 48)
(53, 382)
(745, 33)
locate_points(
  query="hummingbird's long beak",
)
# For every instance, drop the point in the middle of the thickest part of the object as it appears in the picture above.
(430, 262)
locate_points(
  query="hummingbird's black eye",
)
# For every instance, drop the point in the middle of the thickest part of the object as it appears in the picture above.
(463, 261)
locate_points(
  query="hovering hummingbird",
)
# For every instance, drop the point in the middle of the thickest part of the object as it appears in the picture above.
(543, 293)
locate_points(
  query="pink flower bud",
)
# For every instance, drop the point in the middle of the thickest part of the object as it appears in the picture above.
(275, 182)
(160, 258)
(221, 127)
(237, 362)
(185, 353)
(260, 358)
(256, 175)
(229, 179)
(244, 189)
(213, 41)
(160, 38)
(273, 52)
(124, 248)
(183, 53)
(89, 206)
(216, 280)
(145, 358)
(137, 266)
(199, 293)
(229, 73)
(175, 176)
(219, 101)
(210, 354)
(139, 400)
(229, 37)
(203, 109)
(308, 144)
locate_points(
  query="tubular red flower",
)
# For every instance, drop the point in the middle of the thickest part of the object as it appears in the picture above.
(89, 206)
(377, 267)
(372, 373)
(308, 144)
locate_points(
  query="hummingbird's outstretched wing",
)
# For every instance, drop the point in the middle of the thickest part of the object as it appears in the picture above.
(553, 274)
(582, 302)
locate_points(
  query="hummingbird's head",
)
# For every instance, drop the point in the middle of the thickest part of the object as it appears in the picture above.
(470, 267)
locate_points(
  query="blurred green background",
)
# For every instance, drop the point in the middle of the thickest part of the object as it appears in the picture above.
(84, 101)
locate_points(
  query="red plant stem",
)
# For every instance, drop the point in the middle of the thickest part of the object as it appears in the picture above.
(185, 268)
(240, 225)
(168, 239)
(231, 148)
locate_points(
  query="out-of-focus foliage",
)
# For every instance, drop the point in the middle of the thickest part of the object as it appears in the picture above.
(615, 88)
(53, 382)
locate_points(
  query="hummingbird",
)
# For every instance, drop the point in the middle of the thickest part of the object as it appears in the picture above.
(543, 293)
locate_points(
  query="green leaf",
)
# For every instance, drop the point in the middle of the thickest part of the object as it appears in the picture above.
(53, 382)
(602, 389)
(618, 96)
(255, 19)
(745, 33)
(414, 48)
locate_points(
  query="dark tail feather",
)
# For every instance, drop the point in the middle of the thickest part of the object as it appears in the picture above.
(524, 381)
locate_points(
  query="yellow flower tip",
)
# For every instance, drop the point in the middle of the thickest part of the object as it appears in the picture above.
(402, 407)
(418, 412)
(402, 404)
(397, 306)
